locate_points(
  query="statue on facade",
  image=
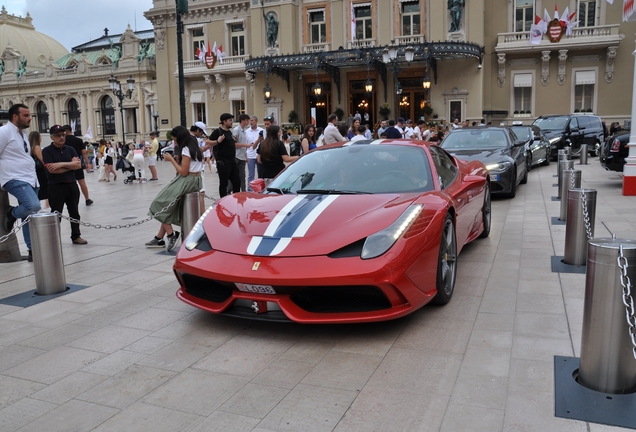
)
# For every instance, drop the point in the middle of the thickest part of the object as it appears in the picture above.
(22, 67)
(143, 51)
(1, 68)
(115, 55)
(271, 24)
(456, 8)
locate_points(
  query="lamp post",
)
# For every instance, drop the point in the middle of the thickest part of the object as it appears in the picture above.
(390, 57)
(267, 90)
(155, 115)
(122, 94)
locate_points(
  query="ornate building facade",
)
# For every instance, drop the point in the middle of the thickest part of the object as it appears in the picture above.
(73, 88)
(485, 68)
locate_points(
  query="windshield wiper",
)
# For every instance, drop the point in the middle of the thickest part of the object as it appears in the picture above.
(330, 192)
(278, 190)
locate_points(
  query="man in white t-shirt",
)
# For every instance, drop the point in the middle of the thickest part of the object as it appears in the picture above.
(242, 144)
(359, 136)
(408, 130)
(254, 135)
(400, 126)
(17, 170)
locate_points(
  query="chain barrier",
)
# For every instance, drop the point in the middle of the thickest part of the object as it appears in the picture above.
(26, 220)
(628, 300)
(15, 229)
(586, 215)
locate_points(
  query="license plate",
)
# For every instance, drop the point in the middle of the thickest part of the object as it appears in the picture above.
(494, 177)
(261, 289)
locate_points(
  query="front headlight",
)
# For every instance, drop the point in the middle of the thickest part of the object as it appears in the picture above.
(555, 140)
(380, 242)
(501, 166)
(197, 232)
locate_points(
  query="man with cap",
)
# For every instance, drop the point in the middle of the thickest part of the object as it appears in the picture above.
(400, 126)
(79, 147)
(152, 155)
(61, 162)
(222, 141)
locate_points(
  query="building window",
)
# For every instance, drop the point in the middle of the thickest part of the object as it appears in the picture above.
(108, 116)
(238, 107)
(584, 90)
(237, 38)
(199, 112)
(317, 27)
(74, 117)
(364, 23)
(43, 117)
(587, 13)
(522, 93)
(524, 15)
(198, 41)
(410, 18)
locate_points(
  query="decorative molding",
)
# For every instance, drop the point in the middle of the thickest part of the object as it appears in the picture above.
(250, 77)
(563, 56)
(160, 38)
(222, 82)
(609, 63)
(501, 78)
(545, 67)
(210, 82)
(586, 58)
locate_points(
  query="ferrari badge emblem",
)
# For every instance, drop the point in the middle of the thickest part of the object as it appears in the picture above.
(255, 266)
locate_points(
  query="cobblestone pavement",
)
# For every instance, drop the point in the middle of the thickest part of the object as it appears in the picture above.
(125, 354)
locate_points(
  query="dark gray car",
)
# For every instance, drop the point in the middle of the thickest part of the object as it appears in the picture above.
(537, 146)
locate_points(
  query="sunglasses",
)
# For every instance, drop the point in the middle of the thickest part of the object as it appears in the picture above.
(26, 148)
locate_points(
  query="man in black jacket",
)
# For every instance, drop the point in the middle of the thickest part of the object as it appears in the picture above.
(224, 147)
(80, 149)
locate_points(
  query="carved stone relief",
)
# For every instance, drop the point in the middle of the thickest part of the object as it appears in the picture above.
(545, 67)
(501, 78)
(563, 56)
(222, 82)
(210, 82)
(609, 63)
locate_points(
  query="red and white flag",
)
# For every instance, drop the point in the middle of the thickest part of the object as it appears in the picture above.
(536, 31)
(628, 9)
(219, 53)
(353, 23)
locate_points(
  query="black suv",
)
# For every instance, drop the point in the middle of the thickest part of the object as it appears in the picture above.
(572, 130)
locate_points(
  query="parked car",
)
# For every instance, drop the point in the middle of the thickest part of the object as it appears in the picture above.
(572, 130)
(614, 151)
(504, 154)
(350, 232)
(537, 145)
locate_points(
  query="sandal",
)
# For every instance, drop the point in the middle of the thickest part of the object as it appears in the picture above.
(115, 179)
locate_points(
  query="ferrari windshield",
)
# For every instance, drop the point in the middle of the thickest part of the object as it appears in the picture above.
(477, 138)
(551, 123)
(355, 169)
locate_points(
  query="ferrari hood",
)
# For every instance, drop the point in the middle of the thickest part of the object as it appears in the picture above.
(299, 225)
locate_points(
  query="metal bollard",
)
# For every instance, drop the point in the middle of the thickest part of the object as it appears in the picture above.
(571, 180)
(563, 165)
(576, 227)
(191, 212)
(583, 155)
(48, 261)
(607, 363)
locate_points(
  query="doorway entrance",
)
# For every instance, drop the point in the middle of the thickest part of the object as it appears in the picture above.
(413, 99)
(361, 102)
(317, 107)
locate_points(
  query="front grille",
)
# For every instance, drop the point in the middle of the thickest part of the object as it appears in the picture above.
(496, 187)
(207, 289)
(340, 299)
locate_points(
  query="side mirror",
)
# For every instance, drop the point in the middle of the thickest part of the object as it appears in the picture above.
(519, 143)
(574, 130)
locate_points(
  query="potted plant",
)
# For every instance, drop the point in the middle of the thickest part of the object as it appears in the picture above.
(577, 110)
(293, 117)
(588, 110)
(340, 113)
(385, 111)
(428, 111)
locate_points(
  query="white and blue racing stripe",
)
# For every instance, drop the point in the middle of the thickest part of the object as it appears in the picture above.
(293, 221)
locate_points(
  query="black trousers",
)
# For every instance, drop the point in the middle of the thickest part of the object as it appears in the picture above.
(228, 171)
(66, 194)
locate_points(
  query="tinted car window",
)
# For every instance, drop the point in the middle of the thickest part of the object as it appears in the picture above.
(595, 123)
(475, 138)
(446, 169)
(584, 122)
(522, 132)
(574, 123)
(551, 123)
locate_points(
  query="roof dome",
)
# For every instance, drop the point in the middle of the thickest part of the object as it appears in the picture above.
(20, 34)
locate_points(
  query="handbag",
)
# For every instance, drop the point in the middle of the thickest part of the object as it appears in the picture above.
(38, 163)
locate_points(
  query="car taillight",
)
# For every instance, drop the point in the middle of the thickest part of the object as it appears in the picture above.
(616, 146)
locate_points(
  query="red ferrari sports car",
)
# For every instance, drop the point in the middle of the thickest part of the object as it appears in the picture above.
(354, 232)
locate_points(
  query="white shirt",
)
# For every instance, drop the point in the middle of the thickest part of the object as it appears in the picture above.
(417, 133)
(426, 134)
(252, 136)
(15, 163)
(358, 138)
(195, 165)
(240, 138)
(400, 129)
(408, 132)
(332, 135)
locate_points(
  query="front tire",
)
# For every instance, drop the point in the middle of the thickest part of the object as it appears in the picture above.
(486, 213)
(513, 186)
(446, 263)
(548, 156)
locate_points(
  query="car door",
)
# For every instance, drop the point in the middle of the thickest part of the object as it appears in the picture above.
(519, 154)
(575, 135)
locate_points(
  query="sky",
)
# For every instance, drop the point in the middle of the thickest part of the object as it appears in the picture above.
(74, 22)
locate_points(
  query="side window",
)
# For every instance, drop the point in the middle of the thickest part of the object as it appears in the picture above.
(445, 166)
(595, 123)
(574, 124)
(584, 122)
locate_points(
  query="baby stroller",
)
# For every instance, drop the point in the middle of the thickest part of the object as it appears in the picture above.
(126, 166)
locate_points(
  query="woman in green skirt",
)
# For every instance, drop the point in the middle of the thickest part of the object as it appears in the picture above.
(188, 180)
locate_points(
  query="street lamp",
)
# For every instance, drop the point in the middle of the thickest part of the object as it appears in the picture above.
(121, 94)
(155, 115)
(267, 90)
(317, 88)
(390, 57)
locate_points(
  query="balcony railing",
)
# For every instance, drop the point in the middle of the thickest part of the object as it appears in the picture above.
(317, 47)
(583, 37)
(229, 62)
(361, 43)
(407, 40)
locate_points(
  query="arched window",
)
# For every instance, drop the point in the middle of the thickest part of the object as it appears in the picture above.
(74, 116)
(43, 117)
(108, 116)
